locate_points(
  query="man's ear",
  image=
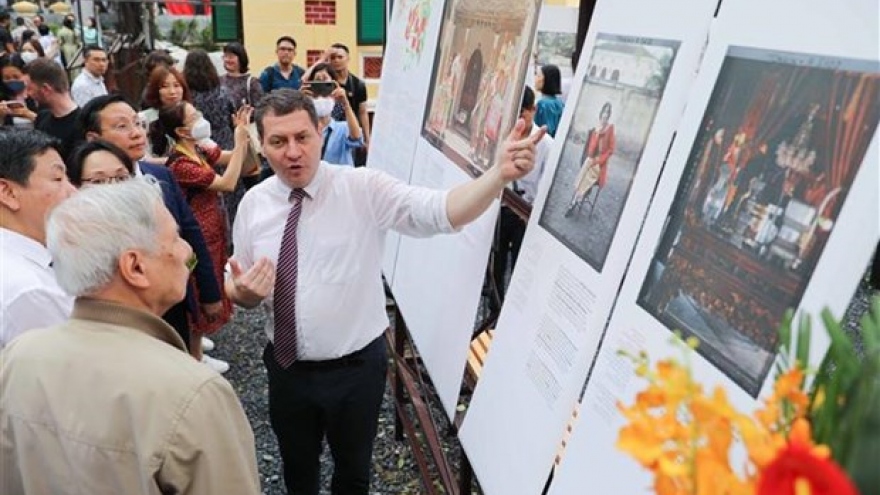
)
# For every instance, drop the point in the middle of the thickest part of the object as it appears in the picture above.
(10, 194)
(133, 270)
(92, 135)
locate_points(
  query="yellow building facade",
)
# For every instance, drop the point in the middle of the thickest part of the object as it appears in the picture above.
(264, 21)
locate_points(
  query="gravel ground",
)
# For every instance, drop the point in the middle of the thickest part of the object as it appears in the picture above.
(394, 470)
(241, 344)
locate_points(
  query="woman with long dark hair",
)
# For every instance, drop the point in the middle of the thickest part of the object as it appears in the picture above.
(549, 108)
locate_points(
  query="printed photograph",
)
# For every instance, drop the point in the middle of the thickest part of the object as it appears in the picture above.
(780, 143)
(479, 69)
(614, 113)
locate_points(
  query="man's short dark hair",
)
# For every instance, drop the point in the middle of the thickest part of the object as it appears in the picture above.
(288, 39)
(87, 51)
(45, 71)
(340, 46)
(18, 148)
(283, 102)
(4, 15)
(238, 50)
(19, 21)
(528, 99)
(90, 113)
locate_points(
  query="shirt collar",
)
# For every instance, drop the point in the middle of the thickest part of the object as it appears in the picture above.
(314, 187)
(93, 78)
(26, 247)
(85, 308)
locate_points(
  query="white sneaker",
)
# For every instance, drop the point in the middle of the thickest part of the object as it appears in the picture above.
(207, 344)
(215, 364)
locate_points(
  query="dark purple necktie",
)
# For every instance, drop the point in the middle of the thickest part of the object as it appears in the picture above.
(285, 286)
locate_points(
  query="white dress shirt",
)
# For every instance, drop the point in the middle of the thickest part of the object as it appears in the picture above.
(86, 86)
(29, 293)
(529, 184)
(340, 301)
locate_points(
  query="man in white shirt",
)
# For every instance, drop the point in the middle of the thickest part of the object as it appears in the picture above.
(32, 182)
(308, 247)
(512, 228)
(90, 82)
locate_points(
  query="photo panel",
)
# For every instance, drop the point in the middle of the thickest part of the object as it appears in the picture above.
(614, 113)
(476, 85)
(780, 143)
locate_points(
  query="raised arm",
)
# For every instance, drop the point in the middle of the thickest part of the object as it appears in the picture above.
(468, 201)
(354, 130)
(234, 159)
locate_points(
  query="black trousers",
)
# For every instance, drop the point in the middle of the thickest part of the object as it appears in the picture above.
(508, 240)
(340, 399)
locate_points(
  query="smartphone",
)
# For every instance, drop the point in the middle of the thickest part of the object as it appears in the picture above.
(14, 104)
(321, 88)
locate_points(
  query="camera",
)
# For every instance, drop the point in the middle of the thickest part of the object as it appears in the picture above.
(321, 88)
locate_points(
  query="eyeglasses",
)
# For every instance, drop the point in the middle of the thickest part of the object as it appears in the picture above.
(100, 181)
(285, 49)
(128, 127)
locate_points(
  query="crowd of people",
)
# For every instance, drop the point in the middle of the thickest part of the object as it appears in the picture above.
(130, 230)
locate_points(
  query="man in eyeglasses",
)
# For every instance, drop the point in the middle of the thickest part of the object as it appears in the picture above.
(284, 74)
(33, 180)
(108, 402)
(112, 118)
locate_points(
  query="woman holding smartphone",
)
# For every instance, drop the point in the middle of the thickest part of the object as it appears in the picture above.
(340, 138)
(16, 108)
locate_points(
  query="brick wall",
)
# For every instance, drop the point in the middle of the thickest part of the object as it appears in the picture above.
(321, 12)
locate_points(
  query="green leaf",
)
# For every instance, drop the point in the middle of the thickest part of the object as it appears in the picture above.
(805, 329)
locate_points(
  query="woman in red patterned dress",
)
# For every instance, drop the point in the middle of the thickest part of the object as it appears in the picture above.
(181, 128)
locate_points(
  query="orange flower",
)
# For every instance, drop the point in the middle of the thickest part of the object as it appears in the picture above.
(801, 468)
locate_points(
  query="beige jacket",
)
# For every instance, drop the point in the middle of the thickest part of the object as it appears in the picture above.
(110, 404)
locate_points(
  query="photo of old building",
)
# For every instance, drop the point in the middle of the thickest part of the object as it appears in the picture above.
(614, 113)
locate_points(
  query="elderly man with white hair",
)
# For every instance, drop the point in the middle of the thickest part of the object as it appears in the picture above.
(110, 402)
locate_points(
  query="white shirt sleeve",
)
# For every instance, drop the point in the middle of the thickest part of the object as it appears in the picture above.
(410, 210)
(36, 308)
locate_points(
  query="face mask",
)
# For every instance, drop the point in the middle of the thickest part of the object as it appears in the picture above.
(324, 106)
(201, 130)
(15, 87)
(28, 57)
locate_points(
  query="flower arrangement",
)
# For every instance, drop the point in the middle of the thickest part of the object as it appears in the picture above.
(818, 433)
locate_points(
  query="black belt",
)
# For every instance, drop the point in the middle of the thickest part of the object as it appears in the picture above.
(356, 358)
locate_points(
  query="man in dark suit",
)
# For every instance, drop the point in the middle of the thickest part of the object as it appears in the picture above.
(112, 118)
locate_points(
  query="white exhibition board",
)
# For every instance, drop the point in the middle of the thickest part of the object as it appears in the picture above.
(411, 39)
(780, 209)
(573, 261)
(474, 98)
